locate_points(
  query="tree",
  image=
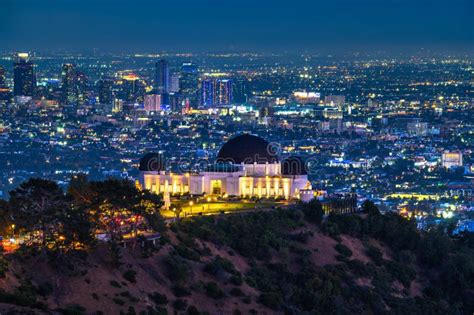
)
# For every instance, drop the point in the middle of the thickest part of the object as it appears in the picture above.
(38, 205)
(370, 208)
(313, 211)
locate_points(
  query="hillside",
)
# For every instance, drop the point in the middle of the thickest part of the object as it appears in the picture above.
(257, 263)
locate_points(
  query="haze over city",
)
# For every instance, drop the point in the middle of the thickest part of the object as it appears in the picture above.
(210, 25)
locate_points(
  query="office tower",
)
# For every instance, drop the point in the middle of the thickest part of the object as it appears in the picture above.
(216, 92)
(4, 90)
(24, 79)
(105, 91)
(162, 77)
(174, 83)
(208, 92)
(82, 87)
(239, 92)
(3, 83)
(69, 87)
(152, 103)
(175, 102)
(189, 83)
(224, 92)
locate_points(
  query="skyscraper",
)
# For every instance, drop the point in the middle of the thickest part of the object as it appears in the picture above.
(162, 76)
(224, 92)
(105, 91)
(189, 83)
(174, 83)
(4, 90)
(23, 76)
(216, 92)
(69, 84)
(239, 92)
(207, 92)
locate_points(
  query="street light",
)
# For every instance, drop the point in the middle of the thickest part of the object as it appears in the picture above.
(191, 205)
(13, 230)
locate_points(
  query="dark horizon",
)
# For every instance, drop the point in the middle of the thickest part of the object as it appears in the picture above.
(341, 26)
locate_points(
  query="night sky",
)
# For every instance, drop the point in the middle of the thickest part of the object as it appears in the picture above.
(261, 25)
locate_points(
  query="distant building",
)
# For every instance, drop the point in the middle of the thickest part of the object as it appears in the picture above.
(189, 83)
(216, 92)
(69, 88)
(329, 113)
(162, 77)
(224, 91)
(451, 159)
(239, 91)
(304, 97)
(4, 90)
(417, 129)
(335, 100)
(24, 78)
(105, 91)
(174, 83)
(152, 103)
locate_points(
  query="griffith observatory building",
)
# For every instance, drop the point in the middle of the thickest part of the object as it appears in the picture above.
(246, 166)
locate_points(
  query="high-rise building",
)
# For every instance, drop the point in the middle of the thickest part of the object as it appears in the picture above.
(174, 83)
(175, 102)
(207, 92)
(4, 90)
(224, 91)
(69, 87)
(216, 92)
(152, 103)
(24, 79)
(3, 83)
(189, 83)
(239, 92)
(105, 91)
(162, 77)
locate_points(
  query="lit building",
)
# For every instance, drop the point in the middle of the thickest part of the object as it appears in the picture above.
(335, 100)
(224, 92)
(69, 84)
(24, 78)
(152, 103)
(417, 129)
(306, 97)
(216, 92)
(207, 92)
(4, 90)
(451, 159)
(239, 92)
(189, 83)
(246, 166)
(174, 83)
(162, 77)
(105, 91)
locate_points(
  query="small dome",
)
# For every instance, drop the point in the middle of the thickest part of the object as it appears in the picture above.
(293, 165)
(247, 149)
(152, 162)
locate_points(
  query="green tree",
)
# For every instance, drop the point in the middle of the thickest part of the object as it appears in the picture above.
(39, 205)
